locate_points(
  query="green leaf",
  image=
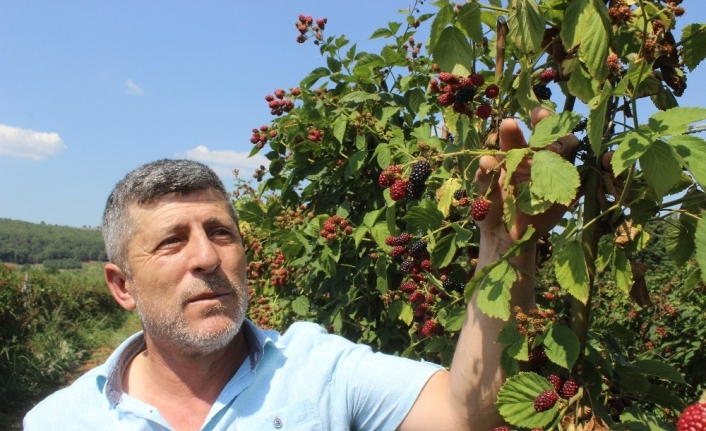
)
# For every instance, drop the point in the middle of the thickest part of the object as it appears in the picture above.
(595, 42)
(633, 145)
(694, 37)
(562, 346)
(251, 212)
(443, 253)
(512, 160)
(339, 129)
(527, 201)
(301, 305)
(576, 22)
(679, 239)
(494, 295)
(451, 49)
(571, 270)
(453, 320)
(516, 401)
(622, 271)
(372, 216)
(554, 178)
(401, 310)
(359, 96)
(582, 84)
(333, 64)
(597, 117)
(552, 128)
(526, 25)
(660, 167)
(443, 17)
(380, 233)
(314, 76)
(664, 397)
(355, 163)
(424, 217)
(659, 369)
(675, 121)
(700, 241)
(692, 150)
(381, 32)
(469, 19)
(525, 95)
(413, 99)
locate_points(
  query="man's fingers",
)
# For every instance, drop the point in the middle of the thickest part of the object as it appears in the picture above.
(511, 136)
(565, 146)
(538, 114)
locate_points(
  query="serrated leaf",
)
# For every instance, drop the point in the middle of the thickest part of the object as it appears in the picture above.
(664, 397)
(571, 270)
(443, 16)
(597, 118)
(494, 294)
(413, 99)
(562, 346)
(355, 163)
(452, 49)
(633, 145)
(424, 217)
(692, 151)
(576, 21)
(516, 401)
(512, 160)
(662, 370)
(251, 212)
(694, 37)
(446, 192)
(700, 241)
(660, 167)
(359, 96)
(554, 179)
(380, 233)
(525, 95)
(526, 25)
(679, 239)
(443, 253)
(333, 64)
(675, 121)
(469, 19)
(339, 129)
(314, 76)
(301, 305)
(453, 320)
(552, 128)
(595, 42)
(582, 84)
(381, 32)
(401, 310)
(371, 217)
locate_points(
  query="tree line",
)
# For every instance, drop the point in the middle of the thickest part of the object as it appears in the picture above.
(27, 243)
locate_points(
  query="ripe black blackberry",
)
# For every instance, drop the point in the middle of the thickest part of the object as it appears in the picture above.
(420, 172)
(542, 91)
(419, 247)
(460, 194)
(415, 191)
(407, 266)
(465, 94)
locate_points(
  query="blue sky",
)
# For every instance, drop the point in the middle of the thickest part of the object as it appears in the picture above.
(92, 89)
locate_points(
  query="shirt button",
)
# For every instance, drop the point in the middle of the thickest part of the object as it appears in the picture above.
(277, 423)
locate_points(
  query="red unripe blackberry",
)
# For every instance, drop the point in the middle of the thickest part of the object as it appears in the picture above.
(295, 91)
(390, 240)
(428, 328)
(398, 190)
(447, 77)
(269, 98)
(569, 389)
(446, 99)
(477, 79)
(279, 93)
(420, 310)
(254, 139)
(417, 297)
(408, 266)
(426, 265)
(538, 355)
(483, 111)
(547, 75)
(556, 381)
(321, 23)
(492, 91)
(545, 401)
(273, 104)
(397, 251)
(502, 428)
(301, 38)
(693, 418)
(408, 286)
(404, 238)
(302, 28)
(480, 208)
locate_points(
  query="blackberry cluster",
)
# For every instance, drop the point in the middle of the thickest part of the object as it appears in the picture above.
(542, 91)
(420, 172)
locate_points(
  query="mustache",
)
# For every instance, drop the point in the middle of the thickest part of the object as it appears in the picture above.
(212, 284)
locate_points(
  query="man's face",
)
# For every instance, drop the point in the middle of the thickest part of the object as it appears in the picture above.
(188, 272)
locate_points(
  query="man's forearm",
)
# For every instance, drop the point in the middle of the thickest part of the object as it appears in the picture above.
(476, 373)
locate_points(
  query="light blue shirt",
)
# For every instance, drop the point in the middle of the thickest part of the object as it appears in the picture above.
(305, 379)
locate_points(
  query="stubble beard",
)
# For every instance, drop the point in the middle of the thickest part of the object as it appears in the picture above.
(171, 328)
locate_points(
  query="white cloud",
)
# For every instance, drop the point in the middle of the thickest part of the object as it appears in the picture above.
(133, 88)
(223, 162)
(28, 143)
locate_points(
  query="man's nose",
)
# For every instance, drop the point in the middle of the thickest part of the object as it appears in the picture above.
(204, 253)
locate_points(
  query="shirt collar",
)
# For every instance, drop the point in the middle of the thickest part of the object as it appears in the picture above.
(115, 366)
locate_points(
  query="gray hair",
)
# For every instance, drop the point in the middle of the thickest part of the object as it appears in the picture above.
(147, 184)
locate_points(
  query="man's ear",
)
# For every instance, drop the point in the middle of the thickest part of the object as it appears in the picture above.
(116, 280)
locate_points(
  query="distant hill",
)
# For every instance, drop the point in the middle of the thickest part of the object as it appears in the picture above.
(22, 242)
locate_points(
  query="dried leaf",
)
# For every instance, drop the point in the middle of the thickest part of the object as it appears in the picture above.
(613, 185)
(638, 291)
(625, 233)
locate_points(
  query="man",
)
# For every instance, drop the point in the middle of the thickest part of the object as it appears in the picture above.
(176, 257)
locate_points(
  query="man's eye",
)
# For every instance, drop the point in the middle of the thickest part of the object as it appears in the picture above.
(170, 242)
